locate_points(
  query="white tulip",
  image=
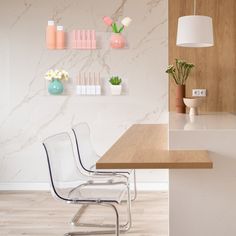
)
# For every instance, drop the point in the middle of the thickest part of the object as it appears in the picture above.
(126, 21)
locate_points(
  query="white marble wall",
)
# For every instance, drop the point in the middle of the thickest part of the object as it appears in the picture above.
(28, 115)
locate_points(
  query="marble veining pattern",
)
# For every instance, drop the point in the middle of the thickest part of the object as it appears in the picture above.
(28, 114)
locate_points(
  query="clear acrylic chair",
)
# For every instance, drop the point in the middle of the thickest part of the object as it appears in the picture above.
(88, 157)
(70, 186)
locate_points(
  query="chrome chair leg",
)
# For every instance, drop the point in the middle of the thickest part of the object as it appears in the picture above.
(78, 214)
(129, 209)
(118, 228)
(117, 220)
(128, 225)
(134, 195)
(124, 227)
(135, 187)
(101, 232)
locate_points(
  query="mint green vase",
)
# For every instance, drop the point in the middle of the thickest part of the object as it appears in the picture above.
(55, 87)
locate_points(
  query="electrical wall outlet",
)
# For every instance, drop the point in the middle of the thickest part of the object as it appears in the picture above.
(199, 92)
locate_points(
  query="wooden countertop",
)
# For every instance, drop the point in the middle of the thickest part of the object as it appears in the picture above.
(144, 146)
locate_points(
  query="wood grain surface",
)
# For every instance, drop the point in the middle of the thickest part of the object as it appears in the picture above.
(144, 146)
(36, 213)
(215, 66)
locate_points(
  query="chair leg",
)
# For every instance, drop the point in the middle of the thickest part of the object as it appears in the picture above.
(135, 187)
(102, 232)
(128, 225)
(117, 220)
(78, 214)
(124, 227)
(134, 195)
(118, 228)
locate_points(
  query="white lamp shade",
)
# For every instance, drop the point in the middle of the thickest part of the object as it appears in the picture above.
(195, 31)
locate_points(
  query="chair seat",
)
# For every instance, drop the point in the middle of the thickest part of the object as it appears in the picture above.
(121, 171)
(102, 193)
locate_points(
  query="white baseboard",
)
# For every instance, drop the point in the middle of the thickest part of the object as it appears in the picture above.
(24, 186)
(158, 186)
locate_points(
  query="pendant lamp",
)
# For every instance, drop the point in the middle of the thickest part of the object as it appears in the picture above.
(195, 31)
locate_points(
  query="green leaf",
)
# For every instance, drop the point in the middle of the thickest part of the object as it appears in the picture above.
(121, 29)
(115, 28)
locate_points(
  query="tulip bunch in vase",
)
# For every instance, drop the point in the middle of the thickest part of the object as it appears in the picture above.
(56, 77)
(117, 40)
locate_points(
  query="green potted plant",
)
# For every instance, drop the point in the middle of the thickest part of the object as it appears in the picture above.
(115, 84)
(180, 73)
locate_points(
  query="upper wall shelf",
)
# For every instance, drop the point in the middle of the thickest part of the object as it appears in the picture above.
(102, 41)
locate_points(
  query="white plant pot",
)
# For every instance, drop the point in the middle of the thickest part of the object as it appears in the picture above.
(116, 89)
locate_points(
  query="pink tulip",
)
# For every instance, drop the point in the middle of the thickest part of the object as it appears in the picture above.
(107, 20)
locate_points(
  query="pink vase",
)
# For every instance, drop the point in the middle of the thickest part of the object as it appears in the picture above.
(117, 41)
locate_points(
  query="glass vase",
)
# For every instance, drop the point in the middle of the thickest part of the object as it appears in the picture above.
(55, 87)
(117, 40)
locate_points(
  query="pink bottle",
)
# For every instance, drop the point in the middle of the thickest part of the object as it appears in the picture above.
(88, 39)
(51, 35)
(60, 38)
(93, 40)
(78, 42)
(74, 39)
(83, 40)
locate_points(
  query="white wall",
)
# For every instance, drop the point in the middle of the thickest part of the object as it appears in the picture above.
(28, 114)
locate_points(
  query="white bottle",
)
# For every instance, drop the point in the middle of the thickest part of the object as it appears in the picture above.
(92, 85)
(83, 86)
(98, 84)
(89, 84)
(87, 88)
(78, 86)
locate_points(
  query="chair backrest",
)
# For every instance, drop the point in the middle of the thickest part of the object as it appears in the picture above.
(63, 170)
(86, 154)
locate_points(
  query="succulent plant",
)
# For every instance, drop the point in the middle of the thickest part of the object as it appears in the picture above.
(115, 80)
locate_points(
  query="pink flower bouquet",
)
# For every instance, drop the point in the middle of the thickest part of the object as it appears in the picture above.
(109, 22)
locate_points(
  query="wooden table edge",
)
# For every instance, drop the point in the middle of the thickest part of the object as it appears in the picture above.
(182, 165)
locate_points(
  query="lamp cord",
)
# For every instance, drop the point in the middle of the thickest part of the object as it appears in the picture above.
(194, 7)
